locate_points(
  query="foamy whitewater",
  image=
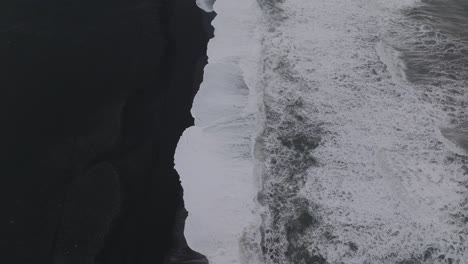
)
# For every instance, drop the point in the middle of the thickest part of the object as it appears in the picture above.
(325, 134)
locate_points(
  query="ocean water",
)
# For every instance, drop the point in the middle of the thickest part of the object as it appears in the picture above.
(331, 132)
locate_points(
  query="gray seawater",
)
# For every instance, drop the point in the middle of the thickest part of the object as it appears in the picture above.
(437, 56)
(438, 52)
(432, 40)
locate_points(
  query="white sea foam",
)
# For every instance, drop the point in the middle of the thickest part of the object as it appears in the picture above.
(385, 189)
(214, 158)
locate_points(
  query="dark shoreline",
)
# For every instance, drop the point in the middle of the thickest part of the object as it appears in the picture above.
(95, 98)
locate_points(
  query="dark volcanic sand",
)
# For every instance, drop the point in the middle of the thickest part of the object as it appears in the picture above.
(95, 95)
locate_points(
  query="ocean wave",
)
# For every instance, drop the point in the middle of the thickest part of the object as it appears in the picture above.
(349, 130)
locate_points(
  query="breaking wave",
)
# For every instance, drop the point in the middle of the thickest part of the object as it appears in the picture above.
(355, 166)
